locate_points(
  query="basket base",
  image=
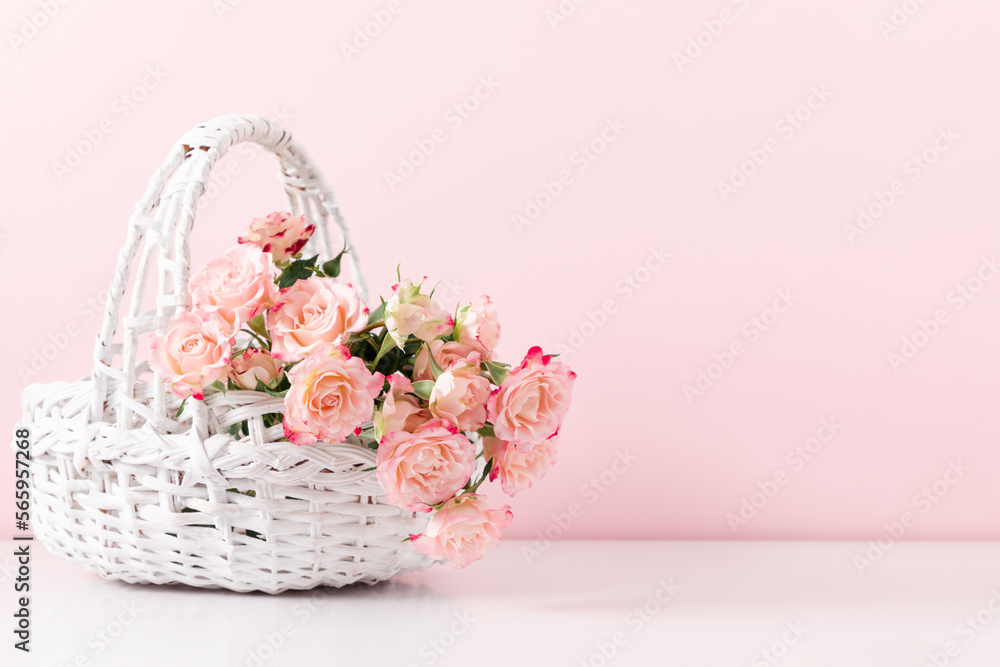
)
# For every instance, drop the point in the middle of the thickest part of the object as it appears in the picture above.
(241, 578)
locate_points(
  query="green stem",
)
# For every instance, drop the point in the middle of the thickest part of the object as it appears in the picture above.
(486, 473)
(475, 487)
(266, 344)
(357, 337)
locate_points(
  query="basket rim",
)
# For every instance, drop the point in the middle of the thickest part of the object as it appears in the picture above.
(103, 442)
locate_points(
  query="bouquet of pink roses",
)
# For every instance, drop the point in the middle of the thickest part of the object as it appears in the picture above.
(417, 383)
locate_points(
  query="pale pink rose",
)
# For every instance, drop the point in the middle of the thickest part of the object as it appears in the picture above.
(518, 469)
(281, 234)
(401, 410)
(460, 394)
(236, 286)
(462, 530)
(529, 406)
(311, 314)
(254, 364)
(445, 354)
(425, 467)
(331, 394)
(408, 312)
(477, 327)
(193, 353)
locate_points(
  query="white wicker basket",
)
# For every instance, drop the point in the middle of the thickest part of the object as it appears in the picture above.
(123, 487)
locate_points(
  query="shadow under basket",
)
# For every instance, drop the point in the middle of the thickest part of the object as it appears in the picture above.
(129, 488)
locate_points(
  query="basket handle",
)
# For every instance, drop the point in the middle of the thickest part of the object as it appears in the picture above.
(161, 224)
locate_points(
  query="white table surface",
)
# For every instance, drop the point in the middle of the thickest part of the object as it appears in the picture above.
(735, 600)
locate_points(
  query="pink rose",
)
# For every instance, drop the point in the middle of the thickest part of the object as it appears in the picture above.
(518, 469)
(476, 326)
(529, 406)
(193, 354)
(408, 312)
(401, 410)
(236, 286)
(281, 234)
(425, 467)
(331, 394)
(460, 394)
(311, 314)
(445, 354)
(253, 365)
(462, 530)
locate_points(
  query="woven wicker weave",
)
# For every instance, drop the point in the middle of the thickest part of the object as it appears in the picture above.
(130, 491)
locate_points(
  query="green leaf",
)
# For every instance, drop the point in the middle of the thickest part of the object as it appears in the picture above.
(273, 418)
(368, 434)
(271, 392)
(377, 315)
(180, 409)
(361, 344)
(369, 469)
(472, 488)
(217, 385)
(422, 388)
(435, 369)
(332, 268)
(487, 431)
(258, 327)
(300, 269)
(253, 533)
(238, 430)
(285, 384)
(387, 344)
(497, 372)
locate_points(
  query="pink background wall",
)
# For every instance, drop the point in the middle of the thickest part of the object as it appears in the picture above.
(905, 109)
